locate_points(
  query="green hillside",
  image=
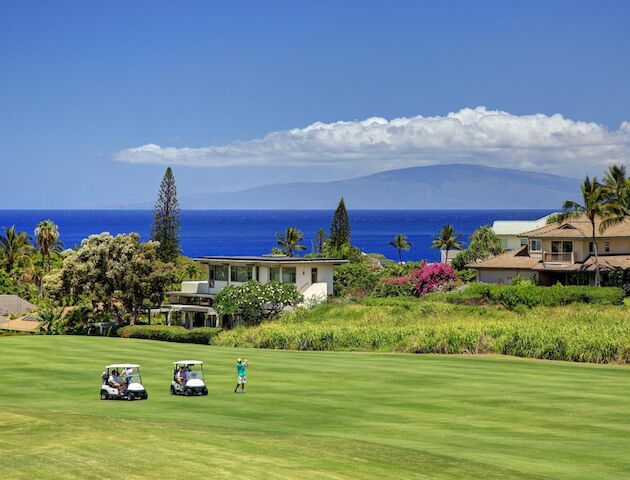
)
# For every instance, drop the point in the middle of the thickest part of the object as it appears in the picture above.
(315, 415)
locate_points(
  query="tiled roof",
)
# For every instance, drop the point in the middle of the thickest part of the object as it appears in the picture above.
(607, 262)
(514, 259)
(579, 228)
(519, 259)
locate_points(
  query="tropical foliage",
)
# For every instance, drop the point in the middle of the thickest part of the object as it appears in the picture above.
(47, 240)
(593, 206)
(15, 249)
(254, 302)
(165, 333)
(400, 243)
(289, 241)
(483, 243)
(579, 332)
(447, 240)
(320, 241)
(435, 277)
(112, 272)
(354, 279)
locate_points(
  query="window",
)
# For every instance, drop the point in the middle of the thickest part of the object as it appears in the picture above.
(564, 246)
(523, 241)
(274, 274)
(607, 247)
(218, 272)
(314, 276)
(536, 245)
(504, 243)
(241, 274)
(289, 275)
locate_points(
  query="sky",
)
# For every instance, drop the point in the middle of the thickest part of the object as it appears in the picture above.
(97, 98)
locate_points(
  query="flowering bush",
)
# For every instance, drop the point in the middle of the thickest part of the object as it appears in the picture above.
(420, 281)
(403, 286)
(254, 302)
(435, 277)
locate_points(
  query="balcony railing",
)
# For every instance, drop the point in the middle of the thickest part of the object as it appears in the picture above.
(555, 257)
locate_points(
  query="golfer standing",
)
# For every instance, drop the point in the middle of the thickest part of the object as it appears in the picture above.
(241, 375)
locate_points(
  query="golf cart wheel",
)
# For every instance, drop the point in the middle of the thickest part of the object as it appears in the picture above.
(187, 391)
(204, 391)
(145, 396)
(172, 390)
(104, 395)
(131, 397)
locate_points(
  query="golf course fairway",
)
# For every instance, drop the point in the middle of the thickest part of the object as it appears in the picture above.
(315, 415)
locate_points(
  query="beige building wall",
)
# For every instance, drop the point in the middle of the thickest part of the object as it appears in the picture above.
(503, 277)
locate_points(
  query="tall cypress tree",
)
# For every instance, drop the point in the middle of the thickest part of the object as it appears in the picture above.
(340, 227)
(165, 228)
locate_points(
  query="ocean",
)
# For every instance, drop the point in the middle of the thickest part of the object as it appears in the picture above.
(251, 232)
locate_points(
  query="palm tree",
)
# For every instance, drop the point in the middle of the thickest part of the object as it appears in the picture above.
(47, 238)
(615, 181)
(191, 271)
(400, 243)
(593, 206)
(289, 242)
(49, 321)
(320, 239)
(616, 191)
(447, 240)
(15, 249)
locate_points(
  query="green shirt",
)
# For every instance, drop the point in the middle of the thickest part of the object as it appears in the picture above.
(241, 369)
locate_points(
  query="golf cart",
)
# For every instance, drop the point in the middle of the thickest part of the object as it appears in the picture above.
(188, 378)
(122, 381)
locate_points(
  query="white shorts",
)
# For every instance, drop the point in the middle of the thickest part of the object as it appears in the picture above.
(241, 380)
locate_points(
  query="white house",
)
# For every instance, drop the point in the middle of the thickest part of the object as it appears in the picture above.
(193, 304)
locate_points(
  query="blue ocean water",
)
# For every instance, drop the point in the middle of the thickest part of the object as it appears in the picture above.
(251, 232)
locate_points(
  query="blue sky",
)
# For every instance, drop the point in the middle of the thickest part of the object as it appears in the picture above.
(85, 87)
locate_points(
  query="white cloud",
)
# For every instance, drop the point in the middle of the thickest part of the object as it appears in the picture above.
(531, 142)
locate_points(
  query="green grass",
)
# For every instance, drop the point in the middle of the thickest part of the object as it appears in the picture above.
(315, 415)
(578, 332)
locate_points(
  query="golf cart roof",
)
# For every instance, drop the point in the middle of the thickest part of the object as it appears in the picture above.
(123, 365)
(188, 362)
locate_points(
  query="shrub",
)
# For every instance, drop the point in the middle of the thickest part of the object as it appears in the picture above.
(523, 281)
(354, 279)
(254, 302)
(580, 333)
(403, 286)
(166, 333)
(420, 281)
(557, 295)
(435, 277)
(467, 275)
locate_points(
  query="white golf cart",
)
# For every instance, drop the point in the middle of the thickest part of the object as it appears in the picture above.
(122, 381)
(188, 378)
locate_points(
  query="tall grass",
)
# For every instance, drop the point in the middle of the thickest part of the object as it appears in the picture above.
(581, 333)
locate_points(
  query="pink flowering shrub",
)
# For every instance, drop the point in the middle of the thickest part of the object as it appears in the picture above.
(403, 286)
(435, 277)
(428, 278)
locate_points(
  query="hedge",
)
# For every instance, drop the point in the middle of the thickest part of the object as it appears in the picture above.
(510, 296)
(165, 333)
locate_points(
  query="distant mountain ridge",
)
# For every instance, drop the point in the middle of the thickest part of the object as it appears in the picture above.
(452, 186)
